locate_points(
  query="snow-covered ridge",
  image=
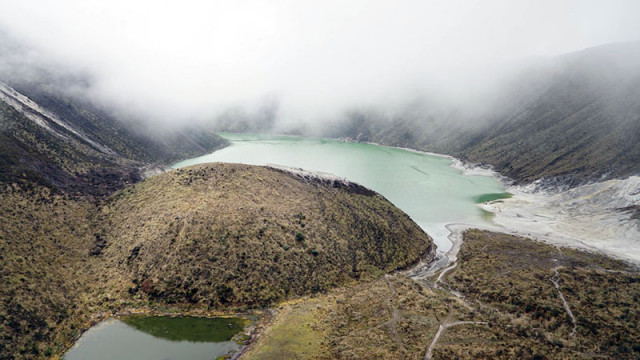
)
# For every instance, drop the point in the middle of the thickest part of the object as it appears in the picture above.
(43, 117)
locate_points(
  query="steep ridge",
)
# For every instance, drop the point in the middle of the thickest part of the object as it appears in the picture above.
(66, 143)
(31, 153)
(134, 139)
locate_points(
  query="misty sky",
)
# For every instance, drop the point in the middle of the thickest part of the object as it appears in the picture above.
(174, 60)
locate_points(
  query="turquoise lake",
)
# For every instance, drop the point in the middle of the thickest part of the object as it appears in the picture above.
(424, 186)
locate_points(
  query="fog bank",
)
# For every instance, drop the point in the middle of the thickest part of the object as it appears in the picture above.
(304, 61)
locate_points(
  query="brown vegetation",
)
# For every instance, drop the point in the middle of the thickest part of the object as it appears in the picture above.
(242, 235)
(44, 239)
(508, 308)
(212, 237)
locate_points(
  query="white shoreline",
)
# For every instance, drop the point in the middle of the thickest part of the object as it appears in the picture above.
(536, 214)
(586, 217)
(559, 226)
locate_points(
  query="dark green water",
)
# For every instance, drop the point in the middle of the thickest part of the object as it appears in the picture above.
(424, 186)
(158, 338)
(491, 197)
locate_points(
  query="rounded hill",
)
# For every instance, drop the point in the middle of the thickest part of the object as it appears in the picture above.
(229, 234)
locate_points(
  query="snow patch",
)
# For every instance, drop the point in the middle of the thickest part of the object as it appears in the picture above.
(308, 173)
(325, 179)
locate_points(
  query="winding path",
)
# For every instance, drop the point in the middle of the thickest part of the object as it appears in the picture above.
(444, 272)
(445, 325)
(420, 273)
(554, 279)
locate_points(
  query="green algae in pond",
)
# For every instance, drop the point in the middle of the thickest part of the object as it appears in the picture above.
(491, 197)
(154, 338)
(186, 328)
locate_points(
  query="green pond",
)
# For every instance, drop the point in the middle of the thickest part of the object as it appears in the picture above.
(424, 186)
(158, 338)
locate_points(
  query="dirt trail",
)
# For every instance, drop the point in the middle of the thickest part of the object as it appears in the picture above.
(555, 279)
(422, 273)
(394, 314)
(444, 272)
(447, 323)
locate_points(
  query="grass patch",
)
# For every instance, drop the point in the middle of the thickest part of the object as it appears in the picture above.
(296, 333)
(513, 309)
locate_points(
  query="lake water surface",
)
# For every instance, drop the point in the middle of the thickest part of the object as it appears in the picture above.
(424, 186)
(158, 338)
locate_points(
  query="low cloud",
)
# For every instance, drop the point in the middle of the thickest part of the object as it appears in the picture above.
(173, 62)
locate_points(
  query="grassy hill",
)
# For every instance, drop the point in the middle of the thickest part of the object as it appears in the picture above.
(229, 234)
(215, 237)
(44, 243)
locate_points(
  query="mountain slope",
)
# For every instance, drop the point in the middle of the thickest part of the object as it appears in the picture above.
(583, 123)
(572, 119)
(33, 154)
(128, 138)
(44, 243)
(66, 143)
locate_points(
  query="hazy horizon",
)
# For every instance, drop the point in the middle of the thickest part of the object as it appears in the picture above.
(189, 61)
